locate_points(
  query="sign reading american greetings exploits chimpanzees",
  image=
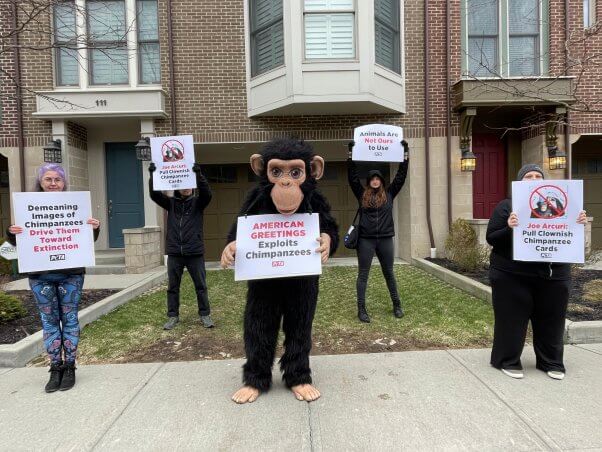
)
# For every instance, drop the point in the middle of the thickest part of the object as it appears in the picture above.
(55, 230)
(277, 246)
(547, 228)
(174, 158)
(378, 143)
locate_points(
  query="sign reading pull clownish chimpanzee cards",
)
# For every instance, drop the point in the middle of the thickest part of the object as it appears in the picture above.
(174, 158)
(55, 233)
(277, 246)
(547, 228)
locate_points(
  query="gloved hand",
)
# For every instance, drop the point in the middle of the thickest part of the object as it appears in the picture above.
(350, 148)
(151, 167)
(406, 149)
(196, 168)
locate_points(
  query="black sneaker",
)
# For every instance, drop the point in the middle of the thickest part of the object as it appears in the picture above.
(56, 374)
(68, 380)
(398, 312)
(362, 314)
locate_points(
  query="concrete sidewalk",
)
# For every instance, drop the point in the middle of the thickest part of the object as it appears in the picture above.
(430, 400)
(115, 282)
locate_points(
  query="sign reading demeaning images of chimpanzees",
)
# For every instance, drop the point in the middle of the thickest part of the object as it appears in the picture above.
(277, 246)
(378, 143)
(174, 158)
(55, 230)
(547, 213)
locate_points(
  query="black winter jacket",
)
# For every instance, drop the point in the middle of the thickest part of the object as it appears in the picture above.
(376, 222)
(499, 236)
(184, 234)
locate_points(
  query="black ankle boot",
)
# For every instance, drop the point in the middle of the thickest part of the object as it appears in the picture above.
(397, 312)
(362, 314)
(68, 376)
(56, 373)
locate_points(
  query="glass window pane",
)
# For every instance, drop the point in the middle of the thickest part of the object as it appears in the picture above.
(106, 20)
(523, 16)
(523, 55)
(482, 56)
(64, 22)
(387, 53)
(150, 71)
(266, 11)
(269, 49)
(67, 67)
(586, 14)
(328, 5)
(329, 36)
(148, 29)
(109, 66)
(386, 11)
(482, 17)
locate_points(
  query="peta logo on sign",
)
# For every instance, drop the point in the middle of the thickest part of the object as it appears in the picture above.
(57, 257)
(277, 263)
(546, 255)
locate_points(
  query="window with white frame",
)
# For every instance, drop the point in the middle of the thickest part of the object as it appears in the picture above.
(148, 42)
(387, 34)
(505, 38)
(589, 13)
(329, 29)
(65, 44)
(267, 35)
(107, 42)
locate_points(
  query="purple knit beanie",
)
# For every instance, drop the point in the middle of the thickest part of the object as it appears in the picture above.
(51, 167)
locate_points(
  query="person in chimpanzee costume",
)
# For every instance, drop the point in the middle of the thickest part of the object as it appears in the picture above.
(287, 170)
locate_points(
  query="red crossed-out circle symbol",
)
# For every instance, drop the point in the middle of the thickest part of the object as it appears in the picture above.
(172, 151)
(548, 201)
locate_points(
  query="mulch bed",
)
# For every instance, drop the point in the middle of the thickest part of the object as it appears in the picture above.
(15, 330)
(578, 309)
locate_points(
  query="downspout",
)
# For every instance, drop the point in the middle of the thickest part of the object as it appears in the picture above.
(17, 69)
(448, 110)
(172, 81)
(567, 139)
(427, 124)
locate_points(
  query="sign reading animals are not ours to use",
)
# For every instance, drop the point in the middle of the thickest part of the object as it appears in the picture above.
(378, 143)
(174, 158)
(55, 230)
(277, 246)
(547, 228)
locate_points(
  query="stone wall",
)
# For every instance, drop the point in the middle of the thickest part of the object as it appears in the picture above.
(142, 249)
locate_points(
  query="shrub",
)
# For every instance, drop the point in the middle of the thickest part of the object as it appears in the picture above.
(10, 308)
(463, 247)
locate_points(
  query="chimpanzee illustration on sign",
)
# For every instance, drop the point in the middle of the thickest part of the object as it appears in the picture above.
(172, 151)
(548, 201)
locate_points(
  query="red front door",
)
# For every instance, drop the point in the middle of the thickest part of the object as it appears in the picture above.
(489, 178)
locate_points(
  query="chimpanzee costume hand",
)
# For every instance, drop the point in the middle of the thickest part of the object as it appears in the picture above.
(288, 171)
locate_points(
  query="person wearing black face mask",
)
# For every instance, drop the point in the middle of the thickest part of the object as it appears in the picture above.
(184, 244)
(523, 291)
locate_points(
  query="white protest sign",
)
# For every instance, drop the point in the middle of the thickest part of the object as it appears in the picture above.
(8, 251)
(277, 246)
(547, 228)
(55, 230)
(174, 158)
(378, 143)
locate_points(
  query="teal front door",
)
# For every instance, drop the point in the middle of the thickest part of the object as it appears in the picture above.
(124, 191)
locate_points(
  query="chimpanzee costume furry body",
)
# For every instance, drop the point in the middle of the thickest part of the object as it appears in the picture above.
(292, 300)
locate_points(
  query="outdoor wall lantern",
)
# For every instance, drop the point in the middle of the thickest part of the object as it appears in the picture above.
(143, 149)
(468, 162)
(52, 152)
(557, 158)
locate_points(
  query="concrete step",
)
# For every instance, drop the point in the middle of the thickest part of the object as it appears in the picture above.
(106, 269)
(110, 257)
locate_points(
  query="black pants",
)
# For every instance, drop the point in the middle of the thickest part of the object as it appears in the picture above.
(196, 268)
(291, 301)
(385, 253)
(518, 299)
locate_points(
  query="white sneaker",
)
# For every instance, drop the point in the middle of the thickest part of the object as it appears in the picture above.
(555, 374)
(514, 373)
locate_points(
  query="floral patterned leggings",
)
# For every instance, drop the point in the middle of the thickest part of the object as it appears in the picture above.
(58, 296)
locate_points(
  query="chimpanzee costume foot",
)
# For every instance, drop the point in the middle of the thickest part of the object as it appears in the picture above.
(283, 188)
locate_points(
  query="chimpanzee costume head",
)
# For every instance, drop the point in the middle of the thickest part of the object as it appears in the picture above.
(288, 170)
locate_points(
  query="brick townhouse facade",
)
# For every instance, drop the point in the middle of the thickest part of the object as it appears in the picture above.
(486, 75)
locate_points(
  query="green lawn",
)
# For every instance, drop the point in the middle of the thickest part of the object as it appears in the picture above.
(437, 316)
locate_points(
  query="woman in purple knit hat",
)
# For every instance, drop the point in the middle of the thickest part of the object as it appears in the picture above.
(57, 293)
